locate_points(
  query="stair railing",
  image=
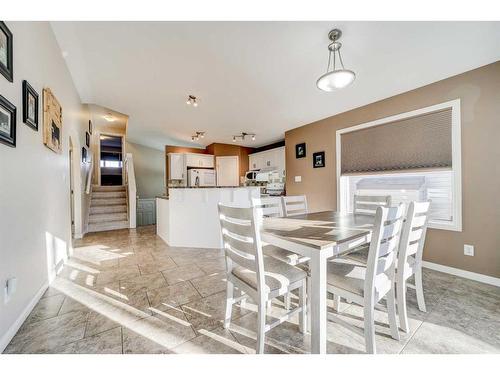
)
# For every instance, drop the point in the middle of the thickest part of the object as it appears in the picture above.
(88, 181)
(128, 167)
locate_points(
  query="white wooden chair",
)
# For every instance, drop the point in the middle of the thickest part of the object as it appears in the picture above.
(409, 261)
(294, 205)
(367, 284)
(273, 207)
(258, 277)
(367, 205)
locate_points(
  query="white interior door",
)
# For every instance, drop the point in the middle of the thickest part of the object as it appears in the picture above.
(227, 168)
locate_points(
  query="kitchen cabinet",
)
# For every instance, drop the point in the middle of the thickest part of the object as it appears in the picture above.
(269, 159)
(199, 161)
(227, 170)
(176, 166)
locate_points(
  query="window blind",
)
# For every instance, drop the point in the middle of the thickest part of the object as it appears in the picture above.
(420, 142)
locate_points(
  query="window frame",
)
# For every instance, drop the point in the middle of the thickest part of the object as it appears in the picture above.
(456, 224)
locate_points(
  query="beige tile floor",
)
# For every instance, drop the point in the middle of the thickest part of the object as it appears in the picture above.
(128, 292)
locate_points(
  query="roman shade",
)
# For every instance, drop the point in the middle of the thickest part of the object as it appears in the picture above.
(419, 142)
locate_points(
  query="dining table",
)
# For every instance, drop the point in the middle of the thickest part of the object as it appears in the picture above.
(320, 236)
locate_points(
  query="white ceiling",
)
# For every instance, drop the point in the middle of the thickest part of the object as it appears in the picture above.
(256, 76)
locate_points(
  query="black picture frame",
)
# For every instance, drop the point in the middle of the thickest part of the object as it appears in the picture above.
(8, 109)
(87, 139)
(7, 70)
(319, 159)
(300, 151)
(84, 155)
(27, 91)
(90, 127)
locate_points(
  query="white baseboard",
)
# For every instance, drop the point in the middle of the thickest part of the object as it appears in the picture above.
(462, 273)
(4, 341)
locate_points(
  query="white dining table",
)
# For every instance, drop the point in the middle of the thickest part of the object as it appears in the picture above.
(319, 236)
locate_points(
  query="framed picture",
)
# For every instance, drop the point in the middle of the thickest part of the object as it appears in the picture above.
(319, 159)
(87, 139)
(52, 121)
(84, 155)
(7, 122)
(30, 106)
(90, 127)
(300, 150)
(6, 60)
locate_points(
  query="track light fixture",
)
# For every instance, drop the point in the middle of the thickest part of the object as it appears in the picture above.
(197, 136)
(192, 100)
(243, 135)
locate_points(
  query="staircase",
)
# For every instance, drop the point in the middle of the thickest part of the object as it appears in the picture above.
(108, 208)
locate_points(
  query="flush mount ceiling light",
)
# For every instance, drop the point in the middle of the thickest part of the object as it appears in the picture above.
(109, 117)
(192, 100)
(197, 136)
(243, 135)
(335, 78)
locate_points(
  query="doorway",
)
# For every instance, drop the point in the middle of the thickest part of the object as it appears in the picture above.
(111, 160)
(71, 188)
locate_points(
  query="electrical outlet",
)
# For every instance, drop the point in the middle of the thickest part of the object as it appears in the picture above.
(469, 250)
(298, 178)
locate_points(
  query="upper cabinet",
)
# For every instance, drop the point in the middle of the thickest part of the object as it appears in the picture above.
(176, 166)
(199, 161)
(274, 158)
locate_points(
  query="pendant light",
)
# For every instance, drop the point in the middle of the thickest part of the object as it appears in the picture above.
(335, 78)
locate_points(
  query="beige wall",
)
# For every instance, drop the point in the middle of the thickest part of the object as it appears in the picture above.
(479, 91)
(149, 170)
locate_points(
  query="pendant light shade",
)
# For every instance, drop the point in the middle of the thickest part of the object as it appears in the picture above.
(335, 78)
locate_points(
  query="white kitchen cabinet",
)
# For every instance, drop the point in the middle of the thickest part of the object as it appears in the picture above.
(176, 166)
(268, 159)
(199, 161)
(227, 170)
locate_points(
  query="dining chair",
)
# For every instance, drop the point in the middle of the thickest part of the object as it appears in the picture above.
(294, 205)
(273, 207)
(367, 284)
(367, 205)
(259, 277)
(409, 261)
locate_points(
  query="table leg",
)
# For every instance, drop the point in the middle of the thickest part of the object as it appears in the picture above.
(318, 303)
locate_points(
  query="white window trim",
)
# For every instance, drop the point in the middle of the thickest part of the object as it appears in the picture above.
(456, 147)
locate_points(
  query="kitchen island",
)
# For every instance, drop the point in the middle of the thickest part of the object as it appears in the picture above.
(188, 216)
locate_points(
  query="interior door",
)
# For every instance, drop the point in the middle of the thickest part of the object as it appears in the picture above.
(227, 168)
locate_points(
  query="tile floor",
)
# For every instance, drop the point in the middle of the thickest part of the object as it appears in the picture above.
(128, 292)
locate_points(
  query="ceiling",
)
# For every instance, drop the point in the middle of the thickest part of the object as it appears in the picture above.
(256, 77)
(106, 119)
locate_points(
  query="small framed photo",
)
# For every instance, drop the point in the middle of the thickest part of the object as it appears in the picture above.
(84, 155)
(319, 159)
(30, 106)
(300, 150)
(6, 60)
(7, 122)
(87, 139)
(90, 127)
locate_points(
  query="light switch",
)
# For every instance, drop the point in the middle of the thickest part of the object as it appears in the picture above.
(9, 288)
(298, 178)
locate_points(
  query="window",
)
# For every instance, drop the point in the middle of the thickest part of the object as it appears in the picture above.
(413, 156)
(111, 163)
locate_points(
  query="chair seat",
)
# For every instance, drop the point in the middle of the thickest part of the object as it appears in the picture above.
(284, 255)
(349, 275)
(360, 254)
(278, 275)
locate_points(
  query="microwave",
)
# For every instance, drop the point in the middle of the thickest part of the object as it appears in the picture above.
(201, 177)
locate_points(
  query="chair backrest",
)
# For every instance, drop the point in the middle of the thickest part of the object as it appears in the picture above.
(383, 251)
(294, 205)
(367, 204)
(241, 239)
(268, 206)
(413, 234)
